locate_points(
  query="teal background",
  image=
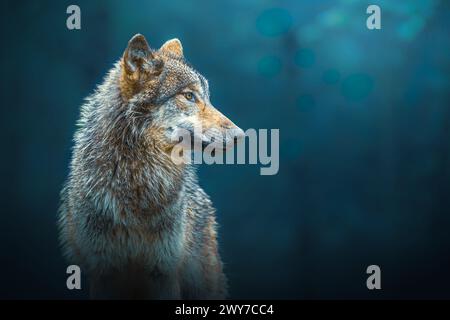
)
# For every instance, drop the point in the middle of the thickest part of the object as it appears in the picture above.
(364, 125)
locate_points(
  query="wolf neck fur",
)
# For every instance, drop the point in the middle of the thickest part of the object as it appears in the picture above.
(142, 178)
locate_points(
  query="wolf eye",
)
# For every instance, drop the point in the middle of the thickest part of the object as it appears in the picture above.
(189, 96)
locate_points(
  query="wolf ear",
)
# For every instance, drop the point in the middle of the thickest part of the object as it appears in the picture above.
(172, 47)
(139, 59)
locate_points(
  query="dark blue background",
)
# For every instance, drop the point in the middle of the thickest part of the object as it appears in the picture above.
(364, 125)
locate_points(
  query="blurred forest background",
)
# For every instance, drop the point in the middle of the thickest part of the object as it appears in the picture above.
(364, 119)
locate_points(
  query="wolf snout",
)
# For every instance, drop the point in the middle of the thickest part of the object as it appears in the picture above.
(234, 135)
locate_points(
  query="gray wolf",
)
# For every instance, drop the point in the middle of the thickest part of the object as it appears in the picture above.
(138, 224)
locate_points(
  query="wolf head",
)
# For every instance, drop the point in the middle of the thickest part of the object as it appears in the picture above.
(162, 87)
